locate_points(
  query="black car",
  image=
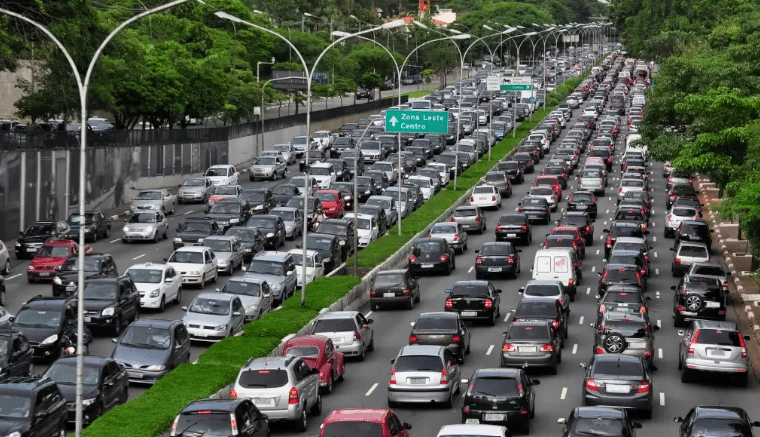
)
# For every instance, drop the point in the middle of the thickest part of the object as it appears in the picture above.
(96, 225)
(621, 229)
(532, 343)
(110, 303)
(394, 287)
(340, 144)
(442, 329)
(497, 258)
(31, 407)
(341, 169)
(105, 383)
(474, 300)
(250, 238)
(513, 170)
(378, 212)
(698, 297)
(272, 227)
(679, 190)
(583, 201)
(328, 247)
(536, 208)
(500, 397)
(284, 192)
(618, 297)
(45, 321)
(630, 213)
(260, 200)
(341, 228)
(151, 348)
(693, 231)
(625, 274)
(35, 235)
(514, 227)
(238, 417)
(615, 380)
(613, 422)
(16, 354)
(96, 265)
(228, 213)
(636, 204)
(347, 190)
(716, 420)
(311, 157)
(525, 160)
(193, 230)
(642, 195)
(580, 220)
(365, 187)
(432, 254)
(543, 309)
(380, 179)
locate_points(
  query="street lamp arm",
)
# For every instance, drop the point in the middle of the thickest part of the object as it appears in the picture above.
(432, 41)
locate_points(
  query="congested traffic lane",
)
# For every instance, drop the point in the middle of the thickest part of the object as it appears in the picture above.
(366, 383)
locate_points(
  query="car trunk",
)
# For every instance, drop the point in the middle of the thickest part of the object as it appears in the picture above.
(468, 302)
(442, 337)
(500, 394)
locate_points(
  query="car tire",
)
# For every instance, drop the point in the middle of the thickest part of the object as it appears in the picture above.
(614, 343)
(155, 237)
(646, 414)
(329, 388)
(162, 305)
(450, 401)
(107, 233)
(301, 422)
(116, 329)
(2, 298)
(316, 409)
(178, 298)
(742, 379)
(447, 272)
(371, 345)
(410, 304)
(373, 307)
(7, 267)
(203, 281)
(685, 374)
(525, 428)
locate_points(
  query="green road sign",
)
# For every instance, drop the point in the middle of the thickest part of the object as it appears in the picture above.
(431, 122)
(516, 87)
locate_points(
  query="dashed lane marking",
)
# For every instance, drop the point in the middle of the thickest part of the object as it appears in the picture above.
(490, 349)
(371, 389)
(470, 271)
(593, 269)
(580, 320)
(588, 290)
(113, 241)
(657, 294)
(575, 348)
(138, 256)
(564, 393)
(659, 353)
(14, 276)
(597, 251)
(662, 398)
(656, 271)
(655, 254)
(189, 212)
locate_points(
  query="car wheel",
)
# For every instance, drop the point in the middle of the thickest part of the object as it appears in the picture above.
(155, 237)
(30, 370)
(301, 423)
(450, 401)
(410, 304)
(647, 414)
(371, 345)
(7, 268)
(316, 409)
(447, 272)
(107, 233)
(614, 343)
(124, 395)
(742, 379)
(178, 298)
(116, 329)
(373, 307)
(525, 429)
(2, 298)
(162, 305)
(203, 280)
(685, 375)
(327, 390)
(492, 320)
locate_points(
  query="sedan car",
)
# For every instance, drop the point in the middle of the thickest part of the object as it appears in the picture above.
(618, 381)
(160, 200)
(151, 348)
(536, 208)
(486, 196)
(607, 421)
(145, 226)
(214, 316)
(442, 329)
(471, 218)
(314, 265)
(394, 287)
(195, 264)
(474, 300)
(158, 284)
(497, 258)
(424, 374)
(499, 396)
(716, 420)
(532, 343)
(195, 190)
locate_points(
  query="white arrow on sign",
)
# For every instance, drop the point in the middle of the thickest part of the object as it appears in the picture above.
(393, 121)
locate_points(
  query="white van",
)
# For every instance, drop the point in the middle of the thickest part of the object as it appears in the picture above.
(639, 147)
(638, 99)
(556, 265)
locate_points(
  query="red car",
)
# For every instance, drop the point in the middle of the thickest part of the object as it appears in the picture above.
(551, 181)
(319, 353)
(364, 422)
(332, 203)
(575, 234)
(51, 255)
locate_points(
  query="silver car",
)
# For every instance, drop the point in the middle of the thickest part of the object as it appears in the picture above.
(710, 270)
(268, 167)
(195, 190)
(287, 151)
(627, 185)
(293, 219)
(676, 216)
(592, 180)
(686, 254)
(350, 332)
(714, 347)
(453, 233)
(214, 316)
(154, 199)
(145, 226)
(228, 250)
(472, 218)
(424, 374)
(253, 292)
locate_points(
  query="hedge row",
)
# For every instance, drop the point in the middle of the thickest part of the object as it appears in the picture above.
(153, 412)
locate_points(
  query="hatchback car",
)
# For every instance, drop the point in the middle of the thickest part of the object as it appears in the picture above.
(500, 396)
(474, 300)
(394, 287)
(319, 353)
(607, 421)
(472, 218)
(238, 417)
(424, 374)
(350, 332)
(514, 227)
(532, 343)
(228, 251)
(536, 208)
(368, 422)
(255, 294)
(214, 316)
(716, 420)
(149, 349)
(145, 226)
(442, 329)
(686, 254)
(618, 381)
(543, 309)
(693, 230)
(195, 190)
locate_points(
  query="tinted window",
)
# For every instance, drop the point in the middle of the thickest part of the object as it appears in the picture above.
(621, 367)
(242, 287)
(514, 219)
(410, 363)
(537, 309)
(496, 249)
(262, 378)
(470, 290)
(720, 427)
(353, 428)
(626, 231)
(495, 386)
(619, 275)
(98, 291)
(432, 322)
(389, 280)
(602, 427)
(466, 212)
(65, 373)
(718, 337)
(335, 325)
(695, 251)
(542, 290)
(267, 267)
(15, 406)
(534, 332)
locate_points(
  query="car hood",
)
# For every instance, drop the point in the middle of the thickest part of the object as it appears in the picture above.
(190, 189)
(185, 267)
(146, 203)
(139, 226)
(137, 356)
(271, 279)
(8, 426)
(205, 319)
(47, 261)
(72, 276)
(69, 392)
(36, 334)
(98, 304)
(146, 287)
(33, 238)
(191, 234)
(221, 216)
(222, 256)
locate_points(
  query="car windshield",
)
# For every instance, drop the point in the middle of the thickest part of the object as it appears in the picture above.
(262, 378)
(364, 223)
(147, 337)
(334, 325)
(536, 202)
(218, 245)
(598, 426)
(13, 406)
(39, 230)
(97, 291)
(195, 183)
(209, 424)
(443, 228)
(149, 195)
(326, 197)
(196, 227)
(385, 204)
(187, 257)
(430, 322)
(91, 264)
(574, 220)
(242, 287)
(465, 212)
(332, 228)
(590, 174)
(382, 166)
(282, 189)
(287, 215)
(303, 351)
(65, 372)
(420, 182)
(145, 276)
(320, 171)
(298, 259)
(319, 243)
(262, 222)
(483, 190)
(495, 386)
(216, 172)
(243, 234)
(353, 428)
(226, 190)
(205, 305)
(529, 332)
(413, 363)
(143, 217)
(53, 251)
(542, 191)
(282, 147)
(693, 251)
(38, 318)
(617, 368)
(720, 426)
(76, 218)
(267, 160)
(225, 208)
(541, 310)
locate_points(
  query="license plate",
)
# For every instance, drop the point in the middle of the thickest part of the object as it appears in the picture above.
(87, 319)
(472, 422)
(716, 353)
(201, 334)
(712, 304)
(264, 402)
(427, 266)
(42, 275)
(389, 294)
(494, 416)
(417, 380)
(134, 374)
(494, 269)
(469, 313)
(616, 388)
(31, 249)
(511, 235)
(526, 349)
(535, 216)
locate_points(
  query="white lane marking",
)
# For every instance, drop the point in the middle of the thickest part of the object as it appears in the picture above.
(654, 224)
(138, 256)
(652, 213)
(597, 251)
(588, 290)
(490, 349)
(113, 241)
(14, 276)
(601, 237)
(368, 314)
(575, 348)
(470, 271)
(608, 211)
(580, 320)
(507, 317)
(564, 393)
(654, 238)
(659, 353)
(662, 398)
(659, 323)
(593, 269)
(656, 271)
(657, 293)
(371, 389)
(605, 222)
(609, 198)
(655, 254)
(189, 212)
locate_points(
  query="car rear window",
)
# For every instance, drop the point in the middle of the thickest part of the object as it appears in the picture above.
(465, 212)
(389, 280)
(335, 325)
(352, 427)
(411, 363)
(684, 212)
(709, 271)
(496, 249)
(542, 290)
(204, 422)
(263, 378)
(495, 385)
(616, 275)
(582, 197)
(622, 297)
(626, 231)
(541, 310)
(615, 368)
(513, 219)
(435, 322)
(470, 290)
(720, 337)
(528, 332)
(693, 251)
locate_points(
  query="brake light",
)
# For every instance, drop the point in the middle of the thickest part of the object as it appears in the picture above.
(508, 348)
(449, 304)
(678, 260)
(646, 257)
(293, 396)
(524, 227)
(456, 237)
(555, 324)
(570, 282)
(412, 259)
(456, 338)
(493, 198)
(393, 376)
(608, 243)
(546, 348)
(521, 209)
(372, 293)
(479, 260)
(598, 350)
(453, 219)
(444, 377)
(233, 393)
(412, 339)
(174, 425)
(743, 346)
(592, 385)
(690, 351)
(477, 218)
(543, 209)
(588, 229)
(642, 388)
(233, 424)
(725, 284)
(472, 199)
(489, 303)
(670, 217)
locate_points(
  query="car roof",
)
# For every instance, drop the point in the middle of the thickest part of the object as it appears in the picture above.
(217, 295)
(271, 255)
(269, 362)
(338, 315)
(418, 349)
(506, 372)
(714, 324)
(717, 411)
(227, 405)
(599, 412)
(221, 237)
(472, 429)
(197, 249)
(88, 359)
(357, 414)
(48, 301)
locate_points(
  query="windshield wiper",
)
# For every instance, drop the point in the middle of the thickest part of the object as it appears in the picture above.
(143, 345)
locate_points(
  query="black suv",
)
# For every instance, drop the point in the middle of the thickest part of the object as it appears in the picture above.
(221, 417)
(36, 235)
(193, 231)
(95, 225)
(693, 230)
(228, 213)
(621, 229)
(95, 265)
(15, 354)
(110, 303)
(510, 391)
(45, 321)
(261, 200)
(698, 297)
(31, 406)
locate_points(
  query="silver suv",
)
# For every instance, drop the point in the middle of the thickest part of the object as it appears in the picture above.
(717, 347)
(283, 388)
(710, 270)
(686, 254)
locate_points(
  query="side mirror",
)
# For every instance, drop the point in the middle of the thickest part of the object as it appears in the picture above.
(393, 360)
(592, 324)
(521, 290)
(605, 230)
(289, 273)
(562, 421)
(114, 340)
(498, 290)
(746, 337)
(237, 314)
(672, 249)
(448, 291)
(673, 287)
(166, 259)
(407, 425)
(678, 419)
(535, 382)
(656, 328)
(756, 423)
(184, 308)
(370, 321)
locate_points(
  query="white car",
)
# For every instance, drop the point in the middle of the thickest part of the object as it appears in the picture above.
(323, 138)
(315, 266)
(324, 173)
(287, 151)
(214, 316)
(470, 429)
(366, 228)
(222, 175)
(158, 284)
(442, 171)
(196, 264)
(5, 259)
(676, 216)
(159, 199)
(425, 184)
(485, 196)
(547, 193)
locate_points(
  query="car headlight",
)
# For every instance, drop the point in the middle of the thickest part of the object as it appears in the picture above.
(195, 273)
(342, 242)
(258, 207)
(88, 402)
(270, 234)
(223, 263)
(125, 229)
(177, 240)
(52, 339)
(156, 367)
(14, 434)
(155, 293)
(251, 307)
(235, 220)
(149, 229)
(250, 249)
(89, 229)
(276, 287)
(56, 280)
(346, 197)
(366, 192)
(108, 311)
(221, 327)
(200, 240)
(30, 267)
